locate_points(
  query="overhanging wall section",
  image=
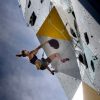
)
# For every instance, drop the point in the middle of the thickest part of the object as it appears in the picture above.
(53, 28)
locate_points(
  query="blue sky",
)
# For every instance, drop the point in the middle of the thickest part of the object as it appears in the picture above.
(19, 80)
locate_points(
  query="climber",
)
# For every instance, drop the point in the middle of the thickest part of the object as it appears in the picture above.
(42, 63)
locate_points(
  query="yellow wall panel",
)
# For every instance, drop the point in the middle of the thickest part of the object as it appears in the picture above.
(54, 27)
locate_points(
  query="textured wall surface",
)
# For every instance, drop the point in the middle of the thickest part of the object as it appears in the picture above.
(88, 24)
(19, 79)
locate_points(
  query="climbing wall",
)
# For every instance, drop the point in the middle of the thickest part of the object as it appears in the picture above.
(78, 36)
(69, 84)
(35, 15)
(53, 28)
(84, 28)
(89, 29)
(36, 12)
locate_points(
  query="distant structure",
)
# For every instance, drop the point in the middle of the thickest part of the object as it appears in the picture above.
(78, 33)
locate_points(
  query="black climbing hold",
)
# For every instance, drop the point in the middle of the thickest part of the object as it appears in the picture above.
(41, 1)
(75, 25)
(85, 61)
(54, 43)
(86, 38)
(73, 33)
(27, 25)
(19, 5)
(32, 19)
(73, 14)
(66, 23)
(51, 4)
(95, 57)
(92, 66)
(91, 36)
(82, 59)
(29, 3)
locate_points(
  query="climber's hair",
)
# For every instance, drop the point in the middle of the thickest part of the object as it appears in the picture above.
(23, 54)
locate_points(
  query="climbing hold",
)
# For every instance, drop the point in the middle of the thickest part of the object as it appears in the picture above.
(41, 1)
(54, 43)
(32, 19)
(92, 66)
(86, 38)
(91, 36)
(73, 14)
(66, 23)
(82, 59)
(73, 33)
(29, 3)
(85, 61)
(75, 25)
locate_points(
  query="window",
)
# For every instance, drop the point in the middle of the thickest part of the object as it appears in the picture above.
(32, 19)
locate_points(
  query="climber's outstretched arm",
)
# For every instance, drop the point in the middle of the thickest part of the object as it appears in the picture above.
(35, 51)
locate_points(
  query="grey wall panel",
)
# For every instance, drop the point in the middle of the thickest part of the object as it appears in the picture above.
(69, 84)
(66, 50)
(87, 23)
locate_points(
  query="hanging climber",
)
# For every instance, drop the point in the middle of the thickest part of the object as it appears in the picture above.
(41, 64)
